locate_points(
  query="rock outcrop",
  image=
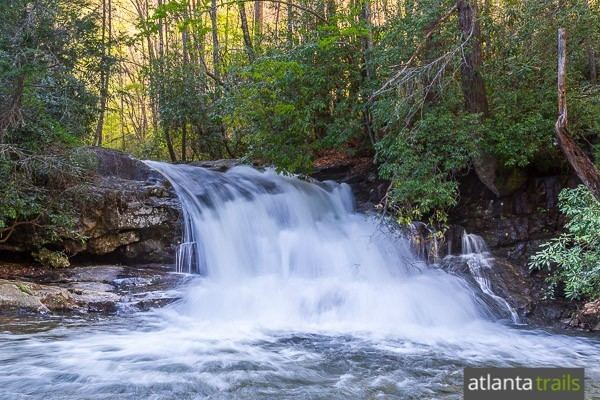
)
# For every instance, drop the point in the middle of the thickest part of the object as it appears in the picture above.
(82, 290)
(128, 212)
(514, 225)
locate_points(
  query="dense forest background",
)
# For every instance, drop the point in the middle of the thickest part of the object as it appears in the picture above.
(430, 89)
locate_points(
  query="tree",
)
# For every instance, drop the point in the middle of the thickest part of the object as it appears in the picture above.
(473, 86)
(105, 65)
(579, 160)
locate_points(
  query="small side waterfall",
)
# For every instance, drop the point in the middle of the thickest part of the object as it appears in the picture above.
(480, 263)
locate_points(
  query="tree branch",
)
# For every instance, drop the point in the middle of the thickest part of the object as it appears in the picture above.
(420, 47)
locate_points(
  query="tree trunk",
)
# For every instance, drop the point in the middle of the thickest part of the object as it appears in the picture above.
(367, 71)
(215, 39)
(246, 31)
(104, 73)
(258, 20)
(579, 160)
(472, 83)
(184, 141)
(170, 147)
(290, 23)
(473, 86)
(592, 65)
(10, 115)
(591, 54)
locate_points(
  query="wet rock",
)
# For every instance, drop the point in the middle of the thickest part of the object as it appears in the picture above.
(514, 225)
(27, 296)
(505, 280)
(97, 273)
(124, 283)
(97, 299)
(218, 165)
(360, 173)
(588, 317)
(81, 290)
(15, 295)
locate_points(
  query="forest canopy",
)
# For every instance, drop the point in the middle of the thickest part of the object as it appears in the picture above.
(430, 89)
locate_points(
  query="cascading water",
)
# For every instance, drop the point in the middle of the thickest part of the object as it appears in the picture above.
(281, 252)
(294, 295)
(480, 263)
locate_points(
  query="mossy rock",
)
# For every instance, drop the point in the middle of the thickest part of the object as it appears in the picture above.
(54, 259)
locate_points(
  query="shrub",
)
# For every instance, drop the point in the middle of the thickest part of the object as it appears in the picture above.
(574, 257)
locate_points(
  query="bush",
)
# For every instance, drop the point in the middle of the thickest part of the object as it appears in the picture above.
(40, 194)
(422, 162)
(574, 256)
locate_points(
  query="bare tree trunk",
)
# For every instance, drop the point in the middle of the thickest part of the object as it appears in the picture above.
(122, 112)
(142, 9)
(579, 160)
(184, 141)
(290, 23)
(104, 72)
(473, 86)
(592, 60)
(592, 64)
(472, 83)
(215, 39)
(246, 31)
(367, 72)
(258, 20)
(170, 147)
(10, 115)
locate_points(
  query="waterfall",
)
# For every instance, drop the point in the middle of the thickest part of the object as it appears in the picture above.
(278, 251)
(480, 263)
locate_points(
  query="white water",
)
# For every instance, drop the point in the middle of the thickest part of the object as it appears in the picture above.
(281, 253)
(297, 296)
(480, 263)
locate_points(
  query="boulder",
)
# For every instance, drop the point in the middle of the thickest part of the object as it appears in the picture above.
(80, 290)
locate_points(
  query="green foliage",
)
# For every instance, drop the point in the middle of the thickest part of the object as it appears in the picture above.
(41, 193)
(297, 90)
(54, 259)
(289, 105)
(574, 257)
(423, 161)
(42, 45)
(47, 52)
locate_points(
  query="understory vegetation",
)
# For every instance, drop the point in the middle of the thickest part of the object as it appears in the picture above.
(574, 256)
(47, 106)
(431, 90)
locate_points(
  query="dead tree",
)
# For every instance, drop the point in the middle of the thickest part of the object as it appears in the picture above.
(579, 160)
